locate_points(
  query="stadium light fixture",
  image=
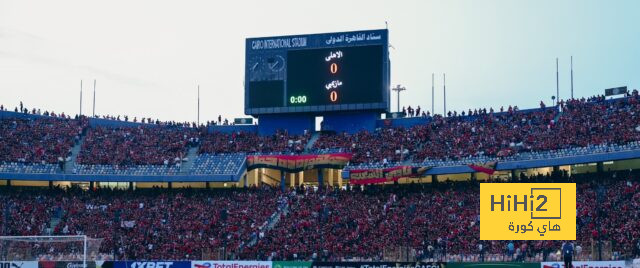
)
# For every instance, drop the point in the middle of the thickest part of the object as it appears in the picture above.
(399, 89)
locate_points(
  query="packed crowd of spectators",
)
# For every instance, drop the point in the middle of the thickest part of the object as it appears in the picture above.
(496, 134)
(583, 122)
(42, 140)
(147, 224)
(321, 224)
(249, 142)
(478, 133)
(487, 134)
(435, 221)
(25, 212)
(441, 220)
(128, 146)
(382, 146)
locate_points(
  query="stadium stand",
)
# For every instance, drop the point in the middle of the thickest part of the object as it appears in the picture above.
(218, 163)
(580, 127)
(437, 222)
(17, 167)
(136, 146)
(145, 224)
(135, 170)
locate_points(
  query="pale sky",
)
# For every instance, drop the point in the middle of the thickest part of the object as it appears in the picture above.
(149, 56)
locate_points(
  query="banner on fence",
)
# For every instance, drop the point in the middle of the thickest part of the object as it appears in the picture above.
(382, 175)
(297, 163)
(487, 168)
(65, 264)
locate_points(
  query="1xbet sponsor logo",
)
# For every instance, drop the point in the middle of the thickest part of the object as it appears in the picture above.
(159, 264)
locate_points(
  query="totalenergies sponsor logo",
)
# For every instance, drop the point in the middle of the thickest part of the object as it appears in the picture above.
(231, 264)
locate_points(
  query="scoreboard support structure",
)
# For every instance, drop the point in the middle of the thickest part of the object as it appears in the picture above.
(350, 122)
(293, 123)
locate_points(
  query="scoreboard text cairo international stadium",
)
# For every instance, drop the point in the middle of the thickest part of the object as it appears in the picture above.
(317, 73)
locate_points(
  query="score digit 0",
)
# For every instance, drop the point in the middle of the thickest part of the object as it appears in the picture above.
(333, 96)
(333, 68)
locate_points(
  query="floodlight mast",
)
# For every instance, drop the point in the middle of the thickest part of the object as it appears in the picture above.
(399, 89)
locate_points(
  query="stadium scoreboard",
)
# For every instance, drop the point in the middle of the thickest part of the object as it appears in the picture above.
(346, 71)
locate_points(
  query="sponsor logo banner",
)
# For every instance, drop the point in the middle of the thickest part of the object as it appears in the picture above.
(18, 264)
(151, 264)
(585, 264)
(230, 264)
(527, 211)
(494, 264)
(382, 175)
(292, 264)
(378, 265)
(104, 264)
(297, 163)
(65, 264)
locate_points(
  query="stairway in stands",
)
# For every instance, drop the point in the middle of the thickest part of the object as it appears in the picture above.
(68, 166)
(283, 210)
(55, 220)
(558, 115)
(191, 158)
(314, 137)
